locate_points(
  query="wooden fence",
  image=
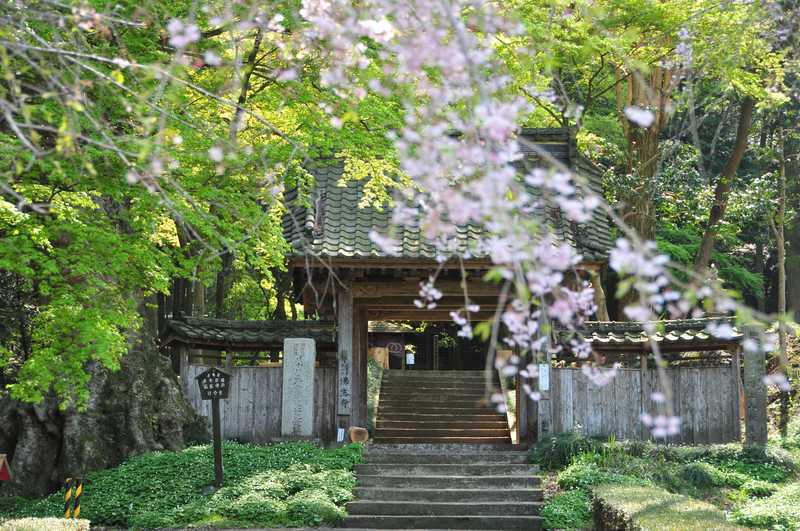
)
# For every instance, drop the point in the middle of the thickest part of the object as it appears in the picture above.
(706, 399)
(252, 411)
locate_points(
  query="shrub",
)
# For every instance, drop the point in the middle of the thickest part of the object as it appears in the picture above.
(557, 451)
(705, 475)
(781, 510)
(312, 507)
(653, 508)
(568, 510)
(584, 474)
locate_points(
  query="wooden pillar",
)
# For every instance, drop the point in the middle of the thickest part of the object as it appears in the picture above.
(599, 295)
(358, 416)
(522, 411)
(545, 405)
(736, 368)
(344, 339)
(183, 365)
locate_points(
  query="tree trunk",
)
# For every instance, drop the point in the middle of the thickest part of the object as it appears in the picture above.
(777, 225)
(723, 187)
(140, 408)
(651, 93)
(760, 269)
(792, 162)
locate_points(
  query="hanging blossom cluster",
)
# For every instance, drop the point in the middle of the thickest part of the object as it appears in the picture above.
(459, 144)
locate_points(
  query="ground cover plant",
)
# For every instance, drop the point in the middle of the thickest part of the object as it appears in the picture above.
(780, 510)
(755, 487)
(281, 485)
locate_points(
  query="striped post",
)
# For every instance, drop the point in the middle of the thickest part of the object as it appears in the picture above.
(76, 511)
(68, 497)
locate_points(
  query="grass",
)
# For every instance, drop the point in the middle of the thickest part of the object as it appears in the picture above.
(653, 508)
(281, 485)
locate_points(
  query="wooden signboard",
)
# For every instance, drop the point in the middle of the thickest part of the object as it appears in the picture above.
(214, 385)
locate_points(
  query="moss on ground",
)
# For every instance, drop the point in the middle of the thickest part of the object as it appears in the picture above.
(653, 508)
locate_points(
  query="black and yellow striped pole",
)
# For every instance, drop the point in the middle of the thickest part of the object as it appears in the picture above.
(72, 505)
(76, 510)
(68, 498)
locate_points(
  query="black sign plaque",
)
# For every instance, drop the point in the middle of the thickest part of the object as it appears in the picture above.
(214, 385)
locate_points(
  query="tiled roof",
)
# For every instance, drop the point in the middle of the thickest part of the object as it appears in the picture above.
(673, 335)
(334, 226)
(222, 334)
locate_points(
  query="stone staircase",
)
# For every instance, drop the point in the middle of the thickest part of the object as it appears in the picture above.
(442, 458)
(437, 407)
(445, 486)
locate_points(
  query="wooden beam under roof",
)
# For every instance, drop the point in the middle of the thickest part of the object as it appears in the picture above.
(380, 289)
(423, 315)
(407, 303)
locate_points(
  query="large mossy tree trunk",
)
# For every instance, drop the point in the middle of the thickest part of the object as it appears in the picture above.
(137, 409)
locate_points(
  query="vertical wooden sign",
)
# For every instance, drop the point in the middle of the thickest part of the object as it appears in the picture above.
(344, 334)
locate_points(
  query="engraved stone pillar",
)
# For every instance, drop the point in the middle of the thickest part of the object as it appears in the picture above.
(297, 410)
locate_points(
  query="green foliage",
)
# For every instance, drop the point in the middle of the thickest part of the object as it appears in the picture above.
(556, 451)
(705, 475)
(568, 510)
(681, 245)
(758, 489)
(584, 473)
(653, 508)
(780, 511)
(282, 485)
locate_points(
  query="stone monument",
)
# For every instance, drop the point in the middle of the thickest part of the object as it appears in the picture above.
(297, 409)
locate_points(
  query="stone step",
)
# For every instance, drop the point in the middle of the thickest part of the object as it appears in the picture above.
(425, 385)
(452, 412)
(443, 522)
(440, 377)
(444, 440)
(433, 373)
(373, 457)
(427, 508)
(450, 424)
(444, 448)
(478, 392)
(434, 432)
(446, 469)
(448, 495)
(436, 400)
(428, 382)
(440, 398)
(449, 482)
(490, 416)
(474, 406)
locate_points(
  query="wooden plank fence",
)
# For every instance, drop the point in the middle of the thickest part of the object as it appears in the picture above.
(706, 399)
(252, 411)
